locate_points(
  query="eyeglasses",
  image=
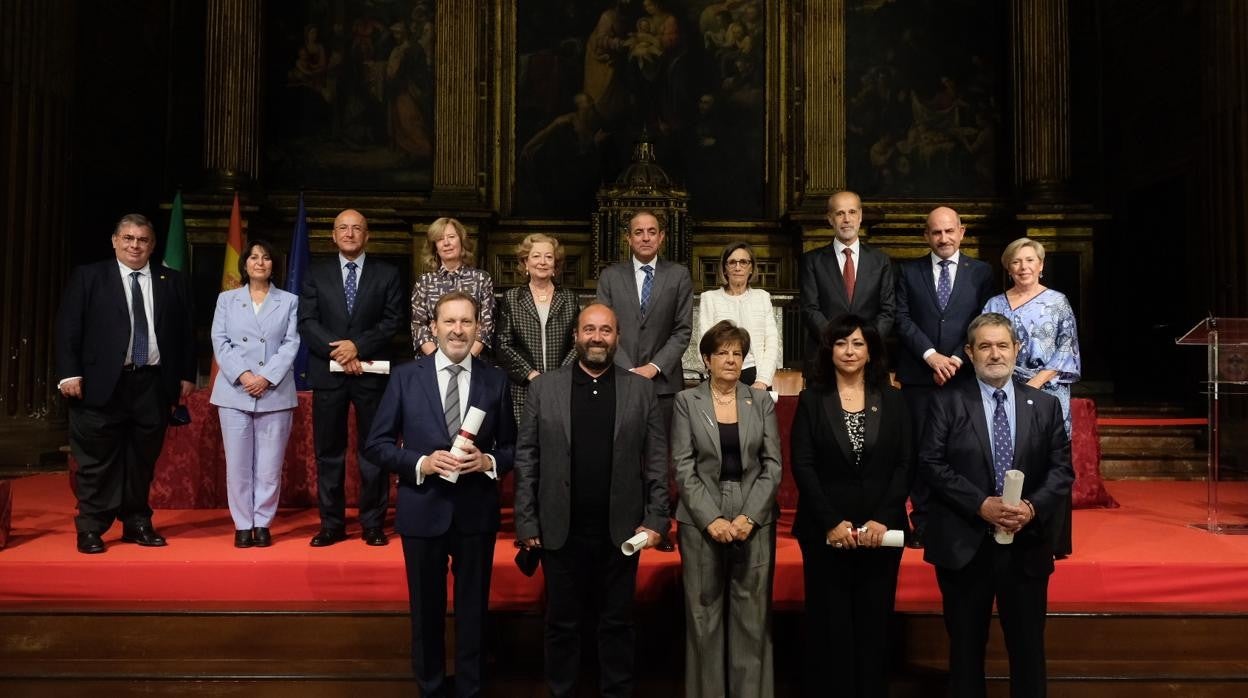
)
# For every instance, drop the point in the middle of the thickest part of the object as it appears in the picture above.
(740, 262)
(132, 239)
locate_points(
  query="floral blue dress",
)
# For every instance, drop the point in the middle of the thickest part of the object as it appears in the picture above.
(1049, 341)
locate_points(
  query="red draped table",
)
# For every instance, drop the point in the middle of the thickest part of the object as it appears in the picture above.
(191, 471)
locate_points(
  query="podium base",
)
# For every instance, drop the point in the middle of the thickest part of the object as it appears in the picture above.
(1222, 529)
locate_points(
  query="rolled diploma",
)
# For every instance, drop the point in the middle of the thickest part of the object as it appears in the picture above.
(1011, 494)
(637, 542)
(382, 367)
(467, 434)
(892, 538)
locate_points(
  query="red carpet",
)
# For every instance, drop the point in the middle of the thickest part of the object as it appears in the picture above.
(1141, 554)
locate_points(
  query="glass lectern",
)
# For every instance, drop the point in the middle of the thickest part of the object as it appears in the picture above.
(1226, 340)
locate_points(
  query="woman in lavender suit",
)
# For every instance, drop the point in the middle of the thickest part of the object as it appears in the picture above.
(255, 338)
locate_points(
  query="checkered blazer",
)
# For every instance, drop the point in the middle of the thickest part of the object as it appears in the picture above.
(519, 337)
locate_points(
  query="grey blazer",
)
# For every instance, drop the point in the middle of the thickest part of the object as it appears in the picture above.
(544, 460)
(696, 455)
(662, 334)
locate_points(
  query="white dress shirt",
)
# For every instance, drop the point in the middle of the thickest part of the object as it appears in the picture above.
(145, 286)
(839, 247)
(953, 275)
(359, 269)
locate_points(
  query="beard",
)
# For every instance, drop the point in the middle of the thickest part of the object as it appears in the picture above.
(595, 356)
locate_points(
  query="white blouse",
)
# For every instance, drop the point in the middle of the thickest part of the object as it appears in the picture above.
(752, 311)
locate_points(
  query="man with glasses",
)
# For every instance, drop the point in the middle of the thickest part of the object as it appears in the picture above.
(125, 352)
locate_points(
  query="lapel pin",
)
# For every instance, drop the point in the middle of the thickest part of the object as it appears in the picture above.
(162, 277)
(875, 409)
(749, 402)
(1029, 402)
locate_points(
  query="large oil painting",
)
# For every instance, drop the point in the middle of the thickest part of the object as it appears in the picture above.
(350, 95)
(925, 93)
(593, 75)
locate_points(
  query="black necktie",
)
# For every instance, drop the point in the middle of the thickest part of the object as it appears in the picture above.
(138, 354)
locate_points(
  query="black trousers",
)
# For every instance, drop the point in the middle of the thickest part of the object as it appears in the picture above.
(589, 575)
(849, 608)
(472, 560)
(116, 447)
(996, 572)
(329, 437)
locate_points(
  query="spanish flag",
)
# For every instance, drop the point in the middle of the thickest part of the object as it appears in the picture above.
(230, 278)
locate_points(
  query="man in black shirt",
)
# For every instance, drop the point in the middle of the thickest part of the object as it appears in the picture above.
(591, 472)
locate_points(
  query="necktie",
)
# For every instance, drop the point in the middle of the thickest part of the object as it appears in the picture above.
(450, 407)
(943, 286)
(139, 350)
(351, 286)
(1002, 444)
(848, 273)
(646, 287)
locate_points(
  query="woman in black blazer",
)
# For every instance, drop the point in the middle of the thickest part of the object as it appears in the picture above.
(536, 320)
(852, 463)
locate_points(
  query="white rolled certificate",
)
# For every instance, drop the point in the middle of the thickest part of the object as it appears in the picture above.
(466, 436)
(637, 542)
(380, 367)
(892, 537)
(1011, 494)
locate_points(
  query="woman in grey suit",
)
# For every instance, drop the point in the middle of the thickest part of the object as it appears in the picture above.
(536, 320)
(255, 336)
(726, 451)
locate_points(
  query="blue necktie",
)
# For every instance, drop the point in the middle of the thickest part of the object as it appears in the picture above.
(350, 287)
(944, 287)
(138, 354)
(646, 287)
(1002, 443)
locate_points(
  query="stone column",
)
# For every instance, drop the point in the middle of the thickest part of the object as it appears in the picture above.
(822, 87)
(232, 63)
(1040, 47)
(459, 53)
(1224, 154)
(37, 46)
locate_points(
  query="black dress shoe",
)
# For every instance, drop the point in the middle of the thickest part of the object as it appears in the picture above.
(144, 535)
(375, 536)
(260, 537)
(90, 543)
(242, 539)
(327, 536)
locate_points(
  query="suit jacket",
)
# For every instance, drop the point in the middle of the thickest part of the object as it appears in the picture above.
(823, 291)
(93, 330)
(922, 325)
(698, 459)
(662, 335)
(831, 487)
(955, 459)
(544, 460)
(378, 315)
(519, 337)
(264, 343)
(411, 411)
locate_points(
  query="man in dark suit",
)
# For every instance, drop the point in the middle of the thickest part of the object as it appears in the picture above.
(938, 295)
(653, 299)
(125, 352)
(974, 433)
(591, 472)
(424, 406)
(845, 276)
(349, 311)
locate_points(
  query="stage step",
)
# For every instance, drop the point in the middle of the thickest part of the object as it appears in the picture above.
(342, 653)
